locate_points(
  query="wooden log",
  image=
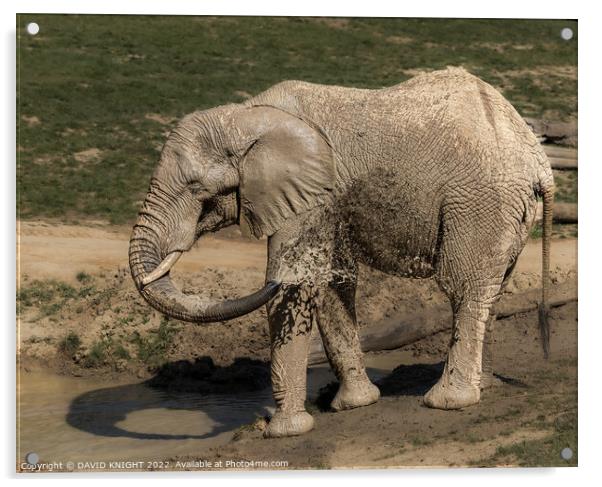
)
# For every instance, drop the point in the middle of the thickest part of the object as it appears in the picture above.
(559, 151)
(563, 212)
(396, 332)
(563, 164)
(512, 304)
(554, 132)
(561, 158)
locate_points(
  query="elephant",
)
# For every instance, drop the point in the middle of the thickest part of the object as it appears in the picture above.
(435, 177)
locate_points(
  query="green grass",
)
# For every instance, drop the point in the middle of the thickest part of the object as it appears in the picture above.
(90, 81)
(49, 296)
(97, 355)
(566, 186)
(543, 452)
(105, 351)
(419, 441)
(121, 335)
(40, 292)
(152, 348)
(70, 343)
(559, 230)
(83, 277)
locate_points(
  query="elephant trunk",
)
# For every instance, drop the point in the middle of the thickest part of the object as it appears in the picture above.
(150, 271)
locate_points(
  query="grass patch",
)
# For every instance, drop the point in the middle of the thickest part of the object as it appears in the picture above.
(49, 296)
(472, 438)
(120, 352)
(96, 83)
(83, 277)
(115, 342)
(40, 292)
(152, 348)
(544, 452)
(559, 230)
(419, 441)
(105, 351)
(566, 186)
(70, 344)
(97, 355)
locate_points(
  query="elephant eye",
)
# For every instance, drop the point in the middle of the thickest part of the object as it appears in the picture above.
(196, 188)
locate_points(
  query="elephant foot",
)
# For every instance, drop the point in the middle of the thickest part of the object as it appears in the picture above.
(354, 395)
(489, 380)
(444, 395)
(289, 424)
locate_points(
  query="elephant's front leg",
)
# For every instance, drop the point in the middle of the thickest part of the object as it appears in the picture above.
(291, 317)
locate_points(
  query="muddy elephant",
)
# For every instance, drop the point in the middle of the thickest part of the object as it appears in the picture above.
(435, 177)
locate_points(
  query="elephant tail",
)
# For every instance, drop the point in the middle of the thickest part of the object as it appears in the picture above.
(547, 193)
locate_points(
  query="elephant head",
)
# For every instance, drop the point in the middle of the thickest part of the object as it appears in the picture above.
(217, 165)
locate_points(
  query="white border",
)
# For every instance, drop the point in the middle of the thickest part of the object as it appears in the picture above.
(589, 244)
(340, 8)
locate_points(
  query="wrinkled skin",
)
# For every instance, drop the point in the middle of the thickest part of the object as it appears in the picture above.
(435, 177)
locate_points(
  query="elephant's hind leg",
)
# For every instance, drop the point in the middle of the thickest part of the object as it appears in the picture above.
(488, 379)
(338, 327)
(471, 272)
(460, 384)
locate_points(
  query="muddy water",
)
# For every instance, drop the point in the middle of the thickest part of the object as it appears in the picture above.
(68, 419)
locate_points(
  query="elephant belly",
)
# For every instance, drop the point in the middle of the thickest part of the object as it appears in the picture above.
(403, 251)
(393, 226)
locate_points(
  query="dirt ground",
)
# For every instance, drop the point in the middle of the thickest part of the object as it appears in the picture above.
(526, 420)
(67, 289)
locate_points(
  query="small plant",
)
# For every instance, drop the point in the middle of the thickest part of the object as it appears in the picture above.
(83, 277)
(86, 291)
(105, 351)
(418, 441)
(48, 295)
(472, 438)
(70, 343)
(536, 231)
(125, 320)
(153, 348)
(544, 452)
(259, 424)
(120, 352)
(40, 292)
(97, 355)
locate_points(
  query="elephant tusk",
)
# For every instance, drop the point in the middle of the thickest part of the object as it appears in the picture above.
(162, 269)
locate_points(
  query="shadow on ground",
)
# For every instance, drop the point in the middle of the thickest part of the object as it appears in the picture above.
(230, 396)
(404, 380)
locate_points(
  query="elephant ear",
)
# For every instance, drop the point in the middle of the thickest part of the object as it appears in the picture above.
(287, 170)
